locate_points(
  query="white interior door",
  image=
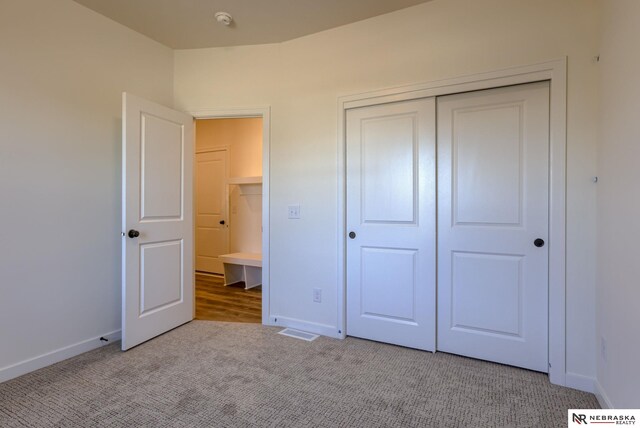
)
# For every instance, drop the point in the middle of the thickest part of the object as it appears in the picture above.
(391, 223)
(493, 178)
(157, 247)
(212, 232)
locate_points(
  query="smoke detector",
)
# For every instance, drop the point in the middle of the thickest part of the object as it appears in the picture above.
(223, 18)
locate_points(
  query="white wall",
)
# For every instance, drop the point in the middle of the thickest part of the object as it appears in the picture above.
(618, 283)
(302, 79)
(62, 71)
(245, 218)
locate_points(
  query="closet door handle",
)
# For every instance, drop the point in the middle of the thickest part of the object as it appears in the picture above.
(221, 221)
(133, 233)
(352, 235)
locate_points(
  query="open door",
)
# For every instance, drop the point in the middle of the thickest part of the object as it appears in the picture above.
(157, 220)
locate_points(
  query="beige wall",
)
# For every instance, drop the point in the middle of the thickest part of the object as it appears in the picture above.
(302, 79)
(62, 72)
(243, 139)
(618, 291)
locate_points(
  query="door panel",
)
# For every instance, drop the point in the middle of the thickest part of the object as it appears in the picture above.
(389, 178)
(487, 177)
(493, 175)
(496, 281)
(380, 268)
(157, 265)
(391, 210)
(161, 160)
(161, 283)
(212, 238)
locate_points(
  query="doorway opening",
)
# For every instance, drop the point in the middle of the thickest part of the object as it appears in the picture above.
(228, 207)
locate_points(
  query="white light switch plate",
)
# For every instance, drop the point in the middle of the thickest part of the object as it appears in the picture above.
(294, 211)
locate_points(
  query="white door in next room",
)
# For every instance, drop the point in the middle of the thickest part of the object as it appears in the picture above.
(212, 235)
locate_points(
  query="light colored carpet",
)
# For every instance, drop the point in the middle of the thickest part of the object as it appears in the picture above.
(211, 374)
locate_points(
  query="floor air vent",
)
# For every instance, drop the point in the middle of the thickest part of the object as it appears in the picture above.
(297, 334)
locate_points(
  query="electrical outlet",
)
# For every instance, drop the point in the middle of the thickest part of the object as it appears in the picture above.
(317, 295)
(603, 348)
(294, 211)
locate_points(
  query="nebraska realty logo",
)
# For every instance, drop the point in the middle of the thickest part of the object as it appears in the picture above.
(581, 417)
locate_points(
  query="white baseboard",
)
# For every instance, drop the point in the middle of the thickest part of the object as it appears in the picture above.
(322, 329)
(580, 382)
(602, 397)
(44, 360)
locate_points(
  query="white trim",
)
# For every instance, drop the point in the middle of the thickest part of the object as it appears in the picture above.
(341, 297)
(44, 360)
(310, 327)
(602, 397)
(473, 82)
(581, 382)
(265, 114)
(556, 73)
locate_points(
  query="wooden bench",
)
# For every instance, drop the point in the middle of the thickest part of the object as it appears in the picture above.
(242, 267)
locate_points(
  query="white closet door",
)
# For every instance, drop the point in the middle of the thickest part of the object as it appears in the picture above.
(493, 179)
(391, 223)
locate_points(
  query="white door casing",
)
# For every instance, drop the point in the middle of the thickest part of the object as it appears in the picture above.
(391, 210)
(493, 180)
(265, 113)
(212, 236)
(157, 202)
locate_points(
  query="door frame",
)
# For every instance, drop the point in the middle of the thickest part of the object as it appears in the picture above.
(265, 114)
(556, 73)
(221, 148)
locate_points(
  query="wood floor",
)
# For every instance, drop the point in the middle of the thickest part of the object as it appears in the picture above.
(215, 302)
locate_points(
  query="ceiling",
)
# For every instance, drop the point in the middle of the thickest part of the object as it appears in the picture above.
(187, 24)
